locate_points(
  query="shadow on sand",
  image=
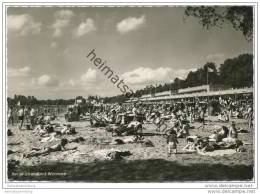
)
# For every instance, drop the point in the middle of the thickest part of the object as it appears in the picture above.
(154, 170)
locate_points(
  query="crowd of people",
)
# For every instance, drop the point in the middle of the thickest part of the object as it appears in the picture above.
(181, 113)
(174, 120)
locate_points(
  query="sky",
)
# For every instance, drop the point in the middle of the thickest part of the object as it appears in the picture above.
(47, 48)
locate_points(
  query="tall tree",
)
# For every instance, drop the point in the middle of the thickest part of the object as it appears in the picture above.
(240, 17)
(237, 72)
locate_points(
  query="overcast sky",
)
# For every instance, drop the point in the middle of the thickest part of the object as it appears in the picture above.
(47, 48)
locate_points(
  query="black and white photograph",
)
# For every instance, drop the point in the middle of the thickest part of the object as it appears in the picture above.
(130, 93)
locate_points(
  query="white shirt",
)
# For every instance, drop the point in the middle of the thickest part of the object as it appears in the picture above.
(20, 112)
(32, 112)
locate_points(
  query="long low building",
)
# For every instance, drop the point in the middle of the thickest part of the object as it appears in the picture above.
(197, 94)
(204, 88)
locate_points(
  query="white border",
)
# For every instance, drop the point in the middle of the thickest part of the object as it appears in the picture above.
(186, 185)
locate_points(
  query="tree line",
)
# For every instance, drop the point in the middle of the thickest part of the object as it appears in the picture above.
(32, 100)
(235, 72)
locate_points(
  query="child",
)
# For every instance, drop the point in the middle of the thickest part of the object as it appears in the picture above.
(172, 142)
(232, 130)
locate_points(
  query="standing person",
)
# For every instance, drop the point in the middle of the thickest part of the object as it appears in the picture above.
(32, 116)
(232, 130)
(135, 111)
(27, 113)
(58, 110)
(10, 115)
(202, 117)
(226, 116)
(21, 117)
(250, 117)
(45, 110)
(38, 110)
(172, 142)
(191, 113)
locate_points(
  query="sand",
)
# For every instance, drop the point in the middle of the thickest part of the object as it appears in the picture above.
(146, 164)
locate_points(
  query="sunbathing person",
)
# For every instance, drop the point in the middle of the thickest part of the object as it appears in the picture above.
(157, 120)
(97, 122)
(166, 115)
(77, 140)
(40, 119)
(55, 148)
(39, 129)
(226, 138)
(133, 128)
(50, 137)
(49, 128)
(131, 139)
(230, 143)
(68, 130)
(190, 147)
(223, 117)
(238, 114)
(219, 134)
(204, 146)
(42, 130)
(232, 134)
